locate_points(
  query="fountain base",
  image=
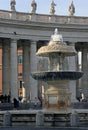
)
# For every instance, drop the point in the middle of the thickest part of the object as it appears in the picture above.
(57, 95)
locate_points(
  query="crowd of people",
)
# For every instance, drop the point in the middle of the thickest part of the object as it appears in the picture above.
(5, 98)
(37, 103)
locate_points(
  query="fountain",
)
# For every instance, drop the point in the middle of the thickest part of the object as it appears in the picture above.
(58, 95)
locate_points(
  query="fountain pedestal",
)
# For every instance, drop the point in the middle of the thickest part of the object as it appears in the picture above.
(58, 95)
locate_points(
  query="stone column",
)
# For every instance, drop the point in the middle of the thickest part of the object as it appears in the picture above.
(72, 84)
(85, 71)
(33, 68)
(5, 68)
(26, 70)
(14, 72)
(78, 81)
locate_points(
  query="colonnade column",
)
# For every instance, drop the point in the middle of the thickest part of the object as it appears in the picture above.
(33, 68)
(85, 71)
(78, 81)
(14, 70)
(72, 84)
(5, 68)
(26, 71)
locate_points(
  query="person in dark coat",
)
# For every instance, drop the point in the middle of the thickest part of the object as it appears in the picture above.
(16, 103)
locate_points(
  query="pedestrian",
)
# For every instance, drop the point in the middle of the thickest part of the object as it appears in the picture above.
(16, 103)
(35, 102)
(41, 101)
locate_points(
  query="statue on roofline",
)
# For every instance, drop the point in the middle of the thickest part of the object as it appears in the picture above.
(34, 7)
(52, 8)
(13, 3)
(71, 9)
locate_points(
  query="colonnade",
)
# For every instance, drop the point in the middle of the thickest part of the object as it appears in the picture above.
(84, 83)
(81, 85)
(10, 68)
(30, 61)
(77, 87)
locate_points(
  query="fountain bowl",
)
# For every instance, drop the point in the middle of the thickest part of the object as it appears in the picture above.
(59, 75)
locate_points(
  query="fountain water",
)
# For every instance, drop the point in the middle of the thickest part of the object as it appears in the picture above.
(57, 96)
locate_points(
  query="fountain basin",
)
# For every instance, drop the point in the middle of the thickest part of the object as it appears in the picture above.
(61, 75)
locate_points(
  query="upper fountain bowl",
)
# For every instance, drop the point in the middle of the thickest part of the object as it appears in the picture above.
(56, 45)
(61, 75)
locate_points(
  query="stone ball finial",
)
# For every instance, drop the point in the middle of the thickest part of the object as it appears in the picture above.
(71, 9)
(34, 6)
(52, 8)
(12, 4)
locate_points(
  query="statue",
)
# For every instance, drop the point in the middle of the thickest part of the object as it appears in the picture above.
(52, 8)
(13, 3)
(71, 9)
(34, 6)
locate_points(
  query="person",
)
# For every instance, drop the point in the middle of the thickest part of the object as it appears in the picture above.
(16, 103)
(83, 99)
(2, 98)
(5, 98)
(41, 101)
(78, 98)
(35, 102)
(8, 98)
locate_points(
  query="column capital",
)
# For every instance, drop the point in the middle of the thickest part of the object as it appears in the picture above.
(70, 43)
(33, 41)
(13, 39)
(5, 41)
(25, 42)
(84, 49)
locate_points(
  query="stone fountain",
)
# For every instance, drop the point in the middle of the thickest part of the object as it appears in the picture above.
(58, 95)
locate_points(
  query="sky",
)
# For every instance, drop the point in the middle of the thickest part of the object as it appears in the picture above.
(43, 6)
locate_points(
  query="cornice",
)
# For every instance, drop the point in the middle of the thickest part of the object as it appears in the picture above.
(37, 30)
(41, 25)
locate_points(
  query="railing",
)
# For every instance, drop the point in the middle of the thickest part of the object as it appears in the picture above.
(28, 118)
(43, 18)
(25, 118)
